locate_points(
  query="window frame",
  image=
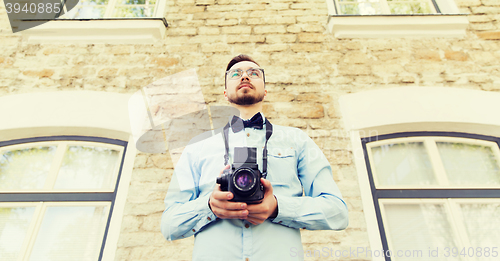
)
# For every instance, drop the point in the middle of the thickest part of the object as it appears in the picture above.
(385, 7)
(109, 30)
(59, 197)
(411, 194)
(447, 22)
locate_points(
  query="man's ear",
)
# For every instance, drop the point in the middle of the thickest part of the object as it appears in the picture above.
(225, 95)
(265, 93)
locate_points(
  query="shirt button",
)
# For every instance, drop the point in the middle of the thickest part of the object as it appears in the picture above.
(194, 230)
(279, 154)
(247, 226)
(247, 259)
(209, 218)
(280, 222)
(248, 134)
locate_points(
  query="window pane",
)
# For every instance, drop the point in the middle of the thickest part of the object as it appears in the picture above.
(482, 224)
(136, 2)
(359, 7)
(86, 167)
(90, 9)
(14, 223)
(25, 168)
(467, 164)
(402, 164)
(134, 11)
(418, 228)
(409, 7)
(70, 233)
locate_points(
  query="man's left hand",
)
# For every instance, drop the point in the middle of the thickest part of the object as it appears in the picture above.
(258, 213)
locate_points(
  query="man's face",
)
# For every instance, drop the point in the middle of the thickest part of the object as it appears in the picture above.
(244, 90)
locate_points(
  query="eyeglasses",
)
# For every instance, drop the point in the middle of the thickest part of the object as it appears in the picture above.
(254, 73)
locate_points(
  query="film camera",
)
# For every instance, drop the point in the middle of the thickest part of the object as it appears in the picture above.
(243, 178)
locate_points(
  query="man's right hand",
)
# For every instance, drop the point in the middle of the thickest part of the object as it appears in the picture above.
(222, 207)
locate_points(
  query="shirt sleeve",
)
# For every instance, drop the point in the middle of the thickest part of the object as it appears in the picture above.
(186, 211)
(322, 206)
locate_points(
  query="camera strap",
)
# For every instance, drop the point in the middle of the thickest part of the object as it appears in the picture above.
(269, 132)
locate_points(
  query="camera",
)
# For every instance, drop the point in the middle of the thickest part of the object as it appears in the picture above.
(243, 178)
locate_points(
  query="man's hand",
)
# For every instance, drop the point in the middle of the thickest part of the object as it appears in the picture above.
(222, 207)
(258, 213)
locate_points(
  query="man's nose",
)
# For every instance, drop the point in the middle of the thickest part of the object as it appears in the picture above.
(245, 76)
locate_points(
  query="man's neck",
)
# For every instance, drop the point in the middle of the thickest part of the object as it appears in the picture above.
(248, 111)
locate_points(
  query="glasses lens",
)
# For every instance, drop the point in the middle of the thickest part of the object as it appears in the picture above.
(254, 73)
(235, 74)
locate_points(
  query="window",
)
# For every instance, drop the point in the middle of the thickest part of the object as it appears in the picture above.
(436, 194)
(395, 18)
(99, 21)
(113, 8)
(371, 7)
(57, 196)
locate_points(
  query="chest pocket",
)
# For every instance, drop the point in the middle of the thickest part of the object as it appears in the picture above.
(282, 166)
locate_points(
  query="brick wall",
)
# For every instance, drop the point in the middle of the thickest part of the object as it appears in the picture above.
(307, 69)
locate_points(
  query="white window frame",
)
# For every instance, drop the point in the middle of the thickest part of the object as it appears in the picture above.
(103, 30)
(406, 109)
(449, 23)
(69, 113)
(384, 6)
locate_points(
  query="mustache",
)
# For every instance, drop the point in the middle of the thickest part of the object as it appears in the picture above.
(246, 83)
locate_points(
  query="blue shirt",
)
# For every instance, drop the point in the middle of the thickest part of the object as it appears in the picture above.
(302, 182)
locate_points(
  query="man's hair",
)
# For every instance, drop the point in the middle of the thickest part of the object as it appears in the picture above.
(237, 59)
(240, 58)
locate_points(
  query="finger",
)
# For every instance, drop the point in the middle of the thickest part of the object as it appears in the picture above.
(222, 195)
(267, 184)
(229, 205)
(225, 167)
(231, 214)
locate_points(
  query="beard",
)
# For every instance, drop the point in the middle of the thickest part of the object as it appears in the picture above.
(246, 98)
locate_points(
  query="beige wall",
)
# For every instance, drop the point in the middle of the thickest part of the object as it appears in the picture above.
(307, 70)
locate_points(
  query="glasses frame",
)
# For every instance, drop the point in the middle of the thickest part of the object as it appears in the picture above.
(263, 76)
(260, 69)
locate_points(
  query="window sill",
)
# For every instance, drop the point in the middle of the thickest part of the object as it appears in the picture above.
(386, 26)
(118, 30)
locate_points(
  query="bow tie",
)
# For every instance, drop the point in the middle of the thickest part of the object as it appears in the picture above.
(256, 122)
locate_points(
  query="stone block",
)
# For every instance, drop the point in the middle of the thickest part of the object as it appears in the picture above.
(107, 72)
(302, 47)
(455, 55)
(165, 61)
(250, 38)
(489, 35)
(482, 26)
(268, 29)
(427, 55)
(215, 48)
(121, 50)
(209, 30)
(280, 38)
(40, 74)
(238, 29)
(311, 37)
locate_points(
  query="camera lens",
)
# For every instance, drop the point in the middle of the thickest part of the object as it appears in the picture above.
(244, 180)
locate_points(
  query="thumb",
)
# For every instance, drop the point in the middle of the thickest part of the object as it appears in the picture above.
(266, 183)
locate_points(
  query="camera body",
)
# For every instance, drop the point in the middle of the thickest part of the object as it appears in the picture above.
(243, 178)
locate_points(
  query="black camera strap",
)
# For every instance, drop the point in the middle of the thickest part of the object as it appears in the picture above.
(269, 132)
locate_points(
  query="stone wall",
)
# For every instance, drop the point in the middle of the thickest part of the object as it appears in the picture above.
(307, 70)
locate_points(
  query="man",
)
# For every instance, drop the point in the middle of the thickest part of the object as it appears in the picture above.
(270, 230)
